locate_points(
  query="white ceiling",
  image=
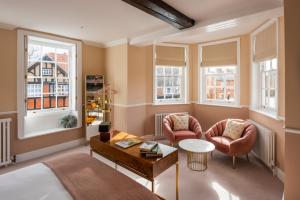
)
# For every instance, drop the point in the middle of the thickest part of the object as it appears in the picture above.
(223, 29)
(207, 10)
(105, 21)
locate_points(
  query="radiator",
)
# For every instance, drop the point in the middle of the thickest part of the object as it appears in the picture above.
(5, 141)
(159, 122)
(264, 148)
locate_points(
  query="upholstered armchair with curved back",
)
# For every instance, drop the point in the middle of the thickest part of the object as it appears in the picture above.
(195, 130)
(241, 146)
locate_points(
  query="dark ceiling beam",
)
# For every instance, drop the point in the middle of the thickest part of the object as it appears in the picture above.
(163, 11)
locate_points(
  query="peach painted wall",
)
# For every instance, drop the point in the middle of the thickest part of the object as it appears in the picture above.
(137, 65)
(128, 77)
(194, 71)
(116, 74)
(292, 105)
(208, 115)
(8, 74)
(137, 89)
(92, 60)
(149, 74)
(116, 71)
(245, 70)
(137, 120)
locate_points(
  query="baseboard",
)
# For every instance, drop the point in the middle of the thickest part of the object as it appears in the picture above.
(279, 174)
(276, 170)
(49, 150)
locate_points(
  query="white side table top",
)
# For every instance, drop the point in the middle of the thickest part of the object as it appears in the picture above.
(196, 145)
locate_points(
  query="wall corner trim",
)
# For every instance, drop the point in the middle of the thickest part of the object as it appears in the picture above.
(49, 150)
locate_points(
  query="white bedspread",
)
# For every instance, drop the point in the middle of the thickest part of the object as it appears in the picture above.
(36, 182)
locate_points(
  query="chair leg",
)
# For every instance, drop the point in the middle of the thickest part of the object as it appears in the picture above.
(233, 162)
(247, 158)
(211, 154)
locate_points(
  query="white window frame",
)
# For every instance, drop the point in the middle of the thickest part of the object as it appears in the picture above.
(255, 103)
(201, 77)
(21, 85)
(185, 82)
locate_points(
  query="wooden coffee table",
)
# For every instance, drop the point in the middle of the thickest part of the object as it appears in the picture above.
(131, 159)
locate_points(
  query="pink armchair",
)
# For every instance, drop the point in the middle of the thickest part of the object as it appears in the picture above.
(241, 146)
(194, 131)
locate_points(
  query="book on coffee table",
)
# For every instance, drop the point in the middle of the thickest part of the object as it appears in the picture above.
(128, 142)
(151, 149)
(148, 146)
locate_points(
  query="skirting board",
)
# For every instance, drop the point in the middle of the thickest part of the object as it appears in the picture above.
(49, 150)
(276, 172)
(279, 174)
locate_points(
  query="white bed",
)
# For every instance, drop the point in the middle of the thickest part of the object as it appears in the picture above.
(27, 184)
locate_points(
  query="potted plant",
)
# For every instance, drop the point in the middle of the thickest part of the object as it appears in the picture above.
(69, 121)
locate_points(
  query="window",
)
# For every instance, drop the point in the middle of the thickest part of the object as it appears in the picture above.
(49, 69)
(219, 72)
(219, 85)
(169, 84)
(264, 79)
(170, 73)
(268, 84)
(53, 60)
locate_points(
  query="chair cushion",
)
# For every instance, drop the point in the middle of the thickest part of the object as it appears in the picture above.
(181, 122)
(221, 143)
(181, 135)
(234, 128)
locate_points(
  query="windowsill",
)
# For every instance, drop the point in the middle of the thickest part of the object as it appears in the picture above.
(47, 112)
(169, 103)
(272, 115)
(46, 132)
(221, 105)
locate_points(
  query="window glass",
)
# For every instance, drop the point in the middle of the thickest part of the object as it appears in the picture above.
(169, 83)
(268, 80)
(48, 80)
(219, 84)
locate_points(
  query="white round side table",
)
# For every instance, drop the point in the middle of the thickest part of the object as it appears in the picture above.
(197, 151)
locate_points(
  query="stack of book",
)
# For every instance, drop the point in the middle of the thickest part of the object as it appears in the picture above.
(150, 149)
